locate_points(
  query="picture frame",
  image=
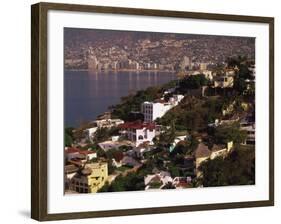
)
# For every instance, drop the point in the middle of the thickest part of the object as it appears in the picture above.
(40, 101)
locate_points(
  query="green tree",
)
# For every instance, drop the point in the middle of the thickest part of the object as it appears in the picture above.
(192, 82)
(103, 134)
(134, 101)
(181, 148)
(167, 136)
(174, 171)
(242, 74)
(226, 133)
(131, 182)
(68, 136)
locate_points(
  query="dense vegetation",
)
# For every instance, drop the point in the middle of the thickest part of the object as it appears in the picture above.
(68, 136)
(238, 168)
(191, 82)
(194, 114)
(226, 133)
(131, 182)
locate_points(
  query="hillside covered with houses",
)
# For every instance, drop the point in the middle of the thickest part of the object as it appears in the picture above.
(195, 131)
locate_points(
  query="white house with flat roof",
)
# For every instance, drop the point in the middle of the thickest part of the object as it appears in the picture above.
(154, 110)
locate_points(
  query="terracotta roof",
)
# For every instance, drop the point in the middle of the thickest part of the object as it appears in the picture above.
(71, 150)
(138, 125)
(202, 151)
(118, 156)
(76, 150)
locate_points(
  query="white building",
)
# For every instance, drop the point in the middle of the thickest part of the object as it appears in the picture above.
(90, 132)
(185, 63)
(139, 132)
(154, 110)
(101, 123)
(162, 178)
(175, 99)
(229, 72)
(224, 82)
(108, 123)
(75, 153)
(208, 74)
(250, 129)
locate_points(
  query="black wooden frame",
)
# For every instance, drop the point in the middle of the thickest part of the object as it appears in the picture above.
(39, 208)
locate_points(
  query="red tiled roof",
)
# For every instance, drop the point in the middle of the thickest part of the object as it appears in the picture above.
(71, 150)
(76, 150)
(137, 125)
(181, 181)
(118, 156)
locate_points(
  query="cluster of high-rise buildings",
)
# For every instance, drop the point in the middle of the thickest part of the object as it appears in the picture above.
(172, 52)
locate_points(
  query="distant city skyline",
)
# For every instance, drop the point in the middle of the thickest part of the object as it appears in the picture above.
(109, 49)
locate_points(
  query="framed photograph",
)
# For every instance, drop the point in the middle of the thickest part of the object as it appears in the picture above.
(139, 111)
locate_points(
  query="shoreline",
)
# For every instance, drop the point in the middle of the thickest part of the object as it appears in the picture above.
(116, 71)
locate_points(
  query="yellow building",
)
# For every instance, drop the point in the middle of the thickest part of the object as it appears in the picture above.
(221, 150)
(90, 179)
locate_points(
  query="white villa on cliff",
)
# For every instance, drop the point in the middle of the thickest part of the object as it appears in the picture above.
(157, 109)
